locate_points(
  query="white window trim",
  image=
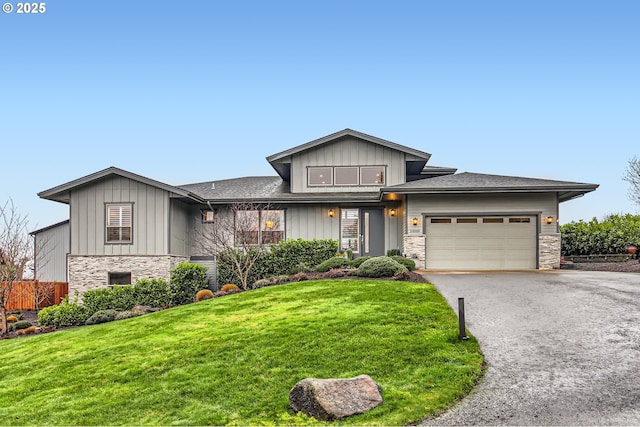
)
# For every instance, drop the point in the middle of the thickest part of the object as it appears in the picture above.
(121, 219)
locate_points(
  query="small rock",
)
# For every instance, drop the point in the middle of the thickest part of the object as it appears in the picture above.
(335, 398)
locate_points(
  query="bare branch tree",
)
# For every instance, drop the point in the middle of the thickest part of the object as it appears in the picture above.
(632, 176)
(15, 252)
(240, 233)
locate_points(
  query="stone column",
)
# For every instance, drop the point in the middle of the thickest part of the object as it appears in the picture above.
(549, 245)
(415, 249)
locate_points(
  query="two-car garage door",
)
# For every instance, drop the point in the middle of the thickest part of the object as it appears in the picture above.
(481, 242)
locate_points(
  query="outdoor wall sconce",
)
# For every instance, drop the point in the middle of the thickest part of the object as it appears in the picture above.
(331, 213)
(270, 224)
(392, 212)
(548, 220)
(414, 221)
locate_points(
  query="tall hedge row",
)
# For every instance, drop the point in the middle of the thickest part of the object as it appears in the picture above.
(611, 235)
(286, 257)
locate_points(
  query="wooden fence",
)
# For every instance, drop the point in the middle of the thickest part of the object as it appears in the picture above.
(24, 295)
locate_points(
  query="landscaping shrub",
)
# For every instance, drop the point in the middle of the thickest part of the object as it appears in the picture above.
(287, 257)
(119, 298)
(203, 294)
(380, 267)
(186, 279)
(152, 292)
(148, 292)
(263, 282)
(358, 261)
(102, 316)
(12, 319)
(394, 252)
(229, 287)
(26, 331)
(611, 235)
(47, 315)
(295, 255)
(125, 315)
(331, 263)
(408, 263)
(69, 314)
(21, 324)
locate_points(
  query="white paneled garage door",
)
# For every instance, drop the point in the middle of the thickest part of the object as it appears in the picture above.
(481, 243)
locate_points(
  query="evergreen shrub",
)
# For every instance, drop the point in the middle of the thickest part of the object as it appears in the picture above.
(408, 263)
(186, 280)
(21, 324)
(332, 263)
(102, 316)
(380, 267)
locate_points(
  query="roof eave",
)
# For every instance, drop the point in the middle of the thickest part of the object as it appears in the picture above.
(316, 142)
(61, 193)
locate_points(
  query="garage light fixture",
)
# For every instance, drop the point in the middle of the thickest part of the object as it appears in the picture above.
(392, 212)
(331, 213)
(414, 221)
(548, 220)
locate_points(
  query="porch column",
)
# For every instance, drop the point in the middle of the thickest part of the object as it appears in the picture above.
(415, 248)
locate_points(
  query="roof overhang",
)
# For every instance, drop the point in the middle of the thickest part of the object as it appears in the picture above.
(281, 161)
(470, 183)
(62, 193)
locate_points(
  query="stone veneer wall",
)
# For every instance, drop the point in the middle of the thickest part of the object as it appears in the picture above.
(415, 248)
(92, 272)
(549, 247)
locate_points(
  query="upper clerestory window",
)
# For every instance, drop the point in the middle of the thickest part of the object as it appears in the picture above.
(328, 176)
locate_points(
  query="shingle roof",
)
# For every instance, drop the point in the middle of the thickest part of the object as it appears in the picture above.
(272, 189)
(468, 182)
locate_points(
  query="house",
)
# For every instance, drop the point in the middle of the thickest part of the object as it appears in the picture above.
(370, 194)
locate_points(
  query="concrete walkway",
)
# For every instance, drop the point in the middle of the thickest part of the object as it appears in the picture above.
(562, 347)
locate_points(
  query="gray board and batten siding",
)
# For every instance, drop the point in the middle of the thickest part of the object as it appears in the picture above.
(349, 151)
(51, 248)
(151, 213)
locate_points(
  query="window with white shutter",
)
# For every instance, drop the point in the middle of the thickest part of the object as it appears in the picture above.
(119, 223)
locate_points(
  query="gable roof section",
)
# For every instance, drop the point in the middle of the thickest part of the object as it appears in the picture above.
(61, 193)
(281, 161)
(267, 189)
(468, 182)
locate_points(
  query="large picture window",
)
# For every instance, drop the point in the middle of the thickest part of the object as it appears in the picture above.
(259, 227)
(119, 223)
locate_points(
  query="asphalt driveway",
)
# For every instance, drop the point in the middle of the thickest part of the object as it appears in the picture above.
(562, 347)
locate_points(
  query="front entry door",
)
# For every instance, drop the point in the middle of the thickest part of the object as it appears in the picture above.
(372, 232)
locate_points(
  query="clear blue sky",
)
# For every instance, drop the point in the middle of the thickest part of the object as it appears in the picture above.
(185, 92)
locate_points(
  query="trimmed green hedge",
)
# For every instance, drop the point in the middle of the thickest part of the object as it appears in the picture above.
(287, 257)
(186, 280)
(611, 235)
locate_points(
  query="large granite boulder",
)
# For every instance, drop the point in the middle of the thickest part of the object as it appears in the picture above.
(336, 398)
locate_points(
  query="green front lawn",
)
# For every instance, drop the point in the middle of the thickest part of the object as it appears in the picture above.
(233, 360)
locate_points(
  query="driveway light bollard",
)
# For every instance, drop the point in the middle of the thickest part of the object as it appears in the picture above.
(463, 332)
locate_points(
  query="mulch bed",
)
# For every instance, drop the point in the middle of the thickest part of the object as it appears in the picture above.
(631, 266)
